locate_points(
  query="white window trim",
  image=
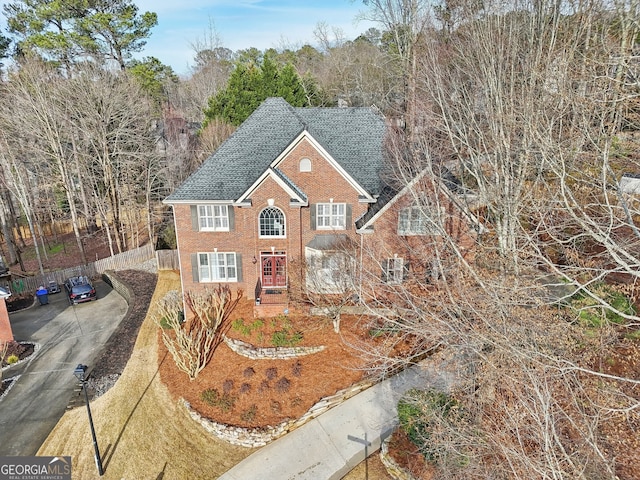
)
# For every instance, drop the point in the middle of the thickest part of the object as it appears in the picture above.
(333, 217)
(284, 226)
(305, 165)
(426, 226)
(395, 270)
(213, 275)
(209, 212)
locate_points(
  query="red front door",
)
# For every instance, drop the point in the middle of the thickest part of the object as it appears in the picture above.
(274, 269)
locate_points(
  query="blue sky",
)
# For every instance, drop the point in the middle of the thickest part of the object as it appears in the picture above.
(242, 24)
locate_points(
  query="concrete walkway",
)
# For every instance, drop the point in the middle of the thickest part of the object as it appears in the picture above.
(332, 444)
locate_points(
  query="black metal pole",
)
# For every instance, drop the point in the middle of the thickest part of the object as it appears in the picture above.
(93, 431)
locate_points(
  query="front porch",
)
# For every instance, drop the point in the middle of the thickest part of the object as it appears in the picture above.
(270, 302)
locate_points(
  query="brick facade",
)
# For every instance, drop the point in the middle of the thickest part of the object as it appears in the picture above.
(418, 251)
(275, 161)
(323, 184)
(6, 334)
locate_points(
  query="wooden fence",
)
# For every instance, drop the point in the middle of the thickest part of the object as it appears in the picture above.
(168, 260)
(121, 261)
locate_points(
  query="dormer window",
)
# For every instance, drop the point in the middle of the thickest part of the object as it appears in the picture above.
(305, 165)
(272, 222)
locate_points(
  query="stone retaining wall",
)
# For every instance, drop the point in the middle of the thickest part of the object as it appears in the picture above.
(395, 470)
(269, 353)
(118, 285)
(259, 437)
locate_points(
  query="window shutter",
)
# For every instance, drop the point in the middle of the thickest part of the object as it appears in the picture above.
(405, 270)
(402, 222)
(232, 218)
(195, 225)
(239, 266)
(313, 216)
(195, 267)
(348, 216)
(385, 270)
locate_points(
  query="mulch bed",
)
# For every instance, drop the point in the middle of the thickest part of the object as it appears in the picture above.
(406, 455)
(239, 391)
(19, 302)
(21, 350)
(117, 350)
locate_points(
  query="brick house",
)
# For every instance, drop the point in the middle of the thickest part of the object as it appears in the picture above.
(291, 184)
(408, 235)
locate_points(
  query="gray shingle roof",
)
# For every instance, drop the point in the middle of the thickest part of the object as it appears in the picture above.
(290, 183)
(352, 136)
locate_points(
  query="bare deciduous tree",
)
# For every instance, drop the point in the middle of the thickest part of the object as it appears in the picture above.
(192, 341)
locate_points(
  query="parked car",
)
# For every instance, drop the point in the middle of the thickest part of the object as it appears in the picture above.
(79, 289)
(53, 287)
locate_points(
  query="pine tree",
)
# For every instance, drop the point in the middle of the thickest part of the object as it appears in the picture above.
(249, 85)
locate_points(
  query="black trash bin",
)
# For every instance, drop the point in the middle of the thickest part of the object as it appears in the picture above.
(43, 295)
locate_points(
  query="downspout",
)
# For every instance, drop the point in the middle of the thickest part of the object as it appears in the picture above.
(300, 250)
(361, 267)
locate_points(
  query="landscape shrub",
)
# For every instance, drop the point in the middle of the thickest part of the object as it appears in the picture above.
(275, 406)
(192, 343)
(592, 314)
(286, 338)
(419, 411)
(239, 326)
(212, 397)
(283, 385)
(227, 385)
(249, 414)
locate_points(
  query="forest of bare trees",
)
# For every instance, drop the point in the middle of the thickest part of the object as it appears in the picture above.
(531, 105)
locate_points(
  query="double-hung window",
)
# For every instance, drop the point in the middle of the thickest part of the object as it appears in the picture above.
(394, 270)
(218, 267)
(213, 218)
(331, 216)
(415, 221)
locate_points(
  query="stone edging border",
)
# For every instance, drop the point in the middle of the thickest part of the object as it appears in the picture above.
(395, 470)
(259, 437)
(12, 381)
(274, 353)
(36, 347)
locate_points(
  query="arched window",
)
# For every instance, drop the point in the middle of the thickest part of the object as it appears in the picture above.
(305, 165)
(272, 222)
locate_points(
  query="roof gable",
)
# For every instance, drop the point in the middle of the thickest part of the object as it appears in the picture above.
(390, 197)
(351, 136)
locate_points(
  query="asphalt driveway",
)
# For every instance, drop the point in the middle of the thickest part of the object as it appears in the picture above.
(67, 335)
